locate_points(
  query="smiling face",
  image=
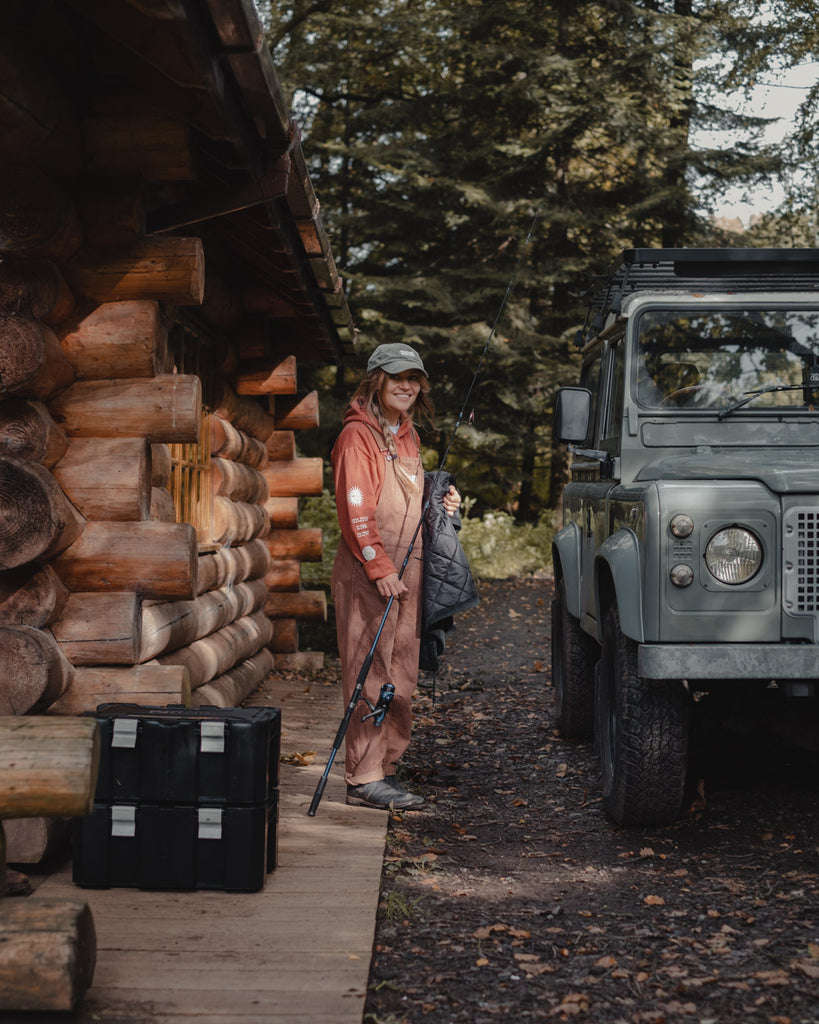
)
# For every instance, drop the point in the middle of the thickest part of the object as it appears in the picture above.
(398, 393)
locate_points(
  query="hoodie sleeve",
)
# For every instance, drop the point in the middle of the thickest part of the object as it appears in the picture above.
(358, 470)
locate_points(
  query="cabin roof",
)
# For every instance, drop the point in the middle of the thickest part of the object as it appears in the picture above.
(203, 64)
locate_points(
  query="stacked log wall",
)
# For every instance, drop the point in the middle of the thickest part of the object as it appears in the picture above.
(103, 594)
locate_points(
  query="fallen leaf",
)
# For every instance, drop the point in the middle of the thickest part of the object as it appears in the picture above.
(300, 760)
(654, 901)
(605, 961)
(481, 962)
(513, 614)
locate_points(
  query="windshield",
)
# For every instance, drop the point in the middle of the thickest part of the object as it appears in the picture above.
(713, 358)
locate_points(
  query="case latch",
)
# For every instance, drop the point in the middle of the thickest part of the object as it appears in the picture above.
(125, 733)
(210, 822)
(212, 737)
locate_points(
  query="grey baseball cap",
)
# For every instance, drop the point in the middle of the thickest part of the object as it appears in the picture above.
(395, 358)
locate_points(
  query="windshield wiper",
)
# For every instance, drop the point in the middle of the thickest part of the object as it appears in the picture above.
(749, 396)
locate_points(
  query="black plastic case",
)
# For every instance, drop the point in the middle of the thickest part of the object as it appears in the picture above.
(186, 798)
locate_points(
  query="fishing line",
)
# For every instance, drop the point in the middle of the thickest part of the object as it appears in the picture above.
(378, 711)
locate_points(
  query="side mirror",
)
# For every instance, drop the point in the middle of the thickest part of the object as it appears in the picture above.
(572, 415)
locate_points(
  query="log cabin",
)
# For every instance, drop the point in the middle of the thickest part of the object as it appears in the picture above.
(164, 273)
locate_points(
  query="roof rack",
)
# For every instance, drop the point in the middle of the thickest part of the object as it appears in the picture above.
(727, 270)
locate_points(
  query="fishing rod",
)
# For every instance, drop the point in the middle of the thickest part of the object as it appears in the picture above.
(379, 710)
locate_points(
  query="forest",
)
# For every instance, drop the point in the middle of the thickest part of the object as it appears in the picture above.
(460, 148)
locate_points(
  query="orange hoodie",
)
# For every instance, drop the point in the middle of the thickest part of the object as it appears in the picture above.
(359, 463)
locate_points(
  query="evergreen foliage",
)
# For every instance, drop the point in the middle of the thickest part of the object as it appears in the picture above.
(437, 133)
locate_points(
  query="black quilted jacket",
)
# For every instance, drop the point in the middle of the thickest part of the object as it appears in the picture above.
(448, 584)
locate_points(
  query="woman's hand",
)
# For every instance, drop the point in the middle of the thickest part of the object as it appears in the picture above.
(391, 586)
(451, 501)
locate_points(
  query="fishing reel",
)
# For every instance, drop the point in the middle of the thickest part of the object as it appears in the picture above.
(379, 710)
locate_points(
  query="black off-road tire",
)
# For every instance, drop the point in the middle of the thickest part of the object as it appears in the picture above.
(574, 654)
(642, 735)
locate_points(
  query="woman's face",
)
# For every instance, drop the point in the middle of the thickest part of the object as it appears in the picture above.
(398, 393)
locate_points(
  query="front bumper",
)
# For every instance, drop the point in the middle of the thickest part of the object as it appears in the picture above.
(763, 662)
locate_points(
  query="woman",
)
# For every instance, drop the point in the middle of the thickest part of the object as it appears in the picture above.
(379, 482)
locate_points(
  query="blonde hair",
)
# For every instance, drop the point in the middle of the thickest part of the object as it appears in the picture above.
(366, 396)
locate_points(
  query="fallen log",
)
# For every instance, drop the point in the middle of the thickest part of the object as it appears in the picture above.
(152, 559)
(230, 689)
(166, 269)
(161, 409)
(150, 684)
(34, 840)
(117, 339)
(107, 479)
(38, 520)
(32, 364)
(48, 765)
(28, 431)
(31, 595)
(33, 671)
(100, 629)
(49, 954)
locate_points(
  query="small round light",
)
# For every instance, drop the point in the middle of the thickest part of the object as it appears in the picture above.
(682, 575)
(733, 555)
(682, 525)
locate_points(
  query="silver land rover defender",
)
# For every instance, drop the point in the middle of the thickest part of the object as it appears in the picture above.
(688, 562)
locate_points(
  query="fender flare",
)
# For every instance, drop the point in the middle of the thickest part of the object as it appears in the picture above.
(566, 548)
(621, 554)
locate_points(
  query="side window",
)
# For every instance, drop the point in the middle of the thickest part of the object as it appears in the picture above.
(612, 428)
(590, 378)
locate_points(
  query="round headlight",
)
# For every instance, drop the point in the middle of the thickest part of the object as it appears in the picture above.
(733, 555)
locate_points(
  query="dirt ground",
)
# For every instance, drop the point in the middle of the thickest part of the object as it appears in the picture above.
(511, 896)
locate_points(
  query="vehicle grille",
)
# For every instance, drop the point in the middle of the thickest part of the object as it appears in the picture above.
(801, 560)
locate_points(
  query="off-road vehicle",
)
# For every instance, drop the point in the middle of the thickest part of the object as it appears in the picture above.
(688, 560)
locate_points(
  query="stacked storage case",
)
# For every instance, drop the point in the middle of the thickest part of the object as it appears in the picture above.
(187, 798)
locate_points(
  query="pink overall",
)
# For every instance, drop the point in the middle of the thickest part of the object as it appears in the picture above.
(372, 751)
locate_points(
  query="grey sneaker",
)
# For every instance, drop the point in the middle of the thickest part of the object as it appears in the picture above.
(383, 795)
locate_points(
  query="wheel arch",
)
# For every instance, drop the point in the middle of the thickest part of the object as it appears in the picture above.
(566, 553)
(618, 578)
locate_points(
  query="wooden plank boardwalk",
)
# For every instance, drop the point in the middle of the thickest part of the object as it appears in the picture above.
(298, 951)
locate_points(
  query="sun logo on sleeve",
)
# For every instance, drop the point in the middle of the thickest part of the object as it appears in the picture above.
(355, 497)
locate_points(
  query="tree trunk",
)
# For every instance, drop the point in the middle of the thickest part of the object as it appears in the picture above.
(158, 560)
(166, 269)
(33, 672)
(32, 363)
(107, 479)
(27, 431)
(163, 409)
(100, 629)
(32, 595)
(49, 954)
(230, 689)
(117, 339)
(151, 684)
(38, 520)
(294, 479)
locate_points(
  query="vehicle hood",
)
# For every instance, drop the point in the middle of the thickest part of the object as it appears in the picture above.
(781, 471)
